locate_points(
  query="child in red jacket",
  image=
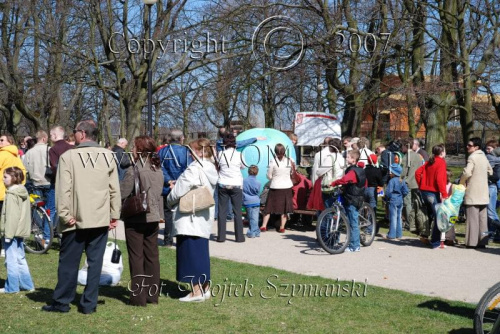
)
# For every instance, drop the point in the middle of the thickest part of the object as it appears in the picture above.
(354, 183)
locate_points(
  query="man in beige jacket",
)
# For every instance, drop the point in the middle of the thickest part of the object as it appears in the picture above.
(475, 177)
(88, 204)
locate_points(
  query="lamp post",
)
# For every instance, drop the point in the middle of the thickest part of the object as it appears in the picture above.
(150, 3)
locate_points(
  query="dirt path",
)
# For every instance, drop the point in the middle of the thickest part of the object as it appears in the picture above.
(452, 273)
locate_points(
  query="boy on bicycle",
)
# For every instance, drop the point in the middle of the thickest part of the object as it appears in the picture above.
(354, 183)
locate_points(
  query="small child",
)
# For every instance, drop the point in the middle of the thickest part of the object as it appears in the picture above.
(251, 200)
(15, 225)
(395, 192)
(354, 182)
(450, 235)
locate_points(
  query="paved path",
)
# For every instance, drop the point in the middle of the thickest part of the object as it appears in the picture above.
(452, 273)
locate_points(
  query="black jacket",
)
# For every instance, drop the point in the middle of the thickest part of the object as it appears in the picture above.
(374, 176)
(354, 193)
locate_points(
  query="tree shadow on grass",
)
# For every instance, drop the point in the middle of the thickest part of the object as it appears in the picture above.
(41, 295)
(462, 331)
(119, 293)
(174, 290)
(445, 307)
(44, 295)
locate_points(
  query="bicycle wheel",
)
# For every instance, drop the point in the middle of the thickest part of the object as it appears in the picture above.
(332, 230)
(487, 314)
(40, 221)
(367, 224)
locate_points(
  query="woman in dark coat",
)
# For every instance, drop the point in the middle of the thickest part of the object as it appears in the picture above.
(141, 231)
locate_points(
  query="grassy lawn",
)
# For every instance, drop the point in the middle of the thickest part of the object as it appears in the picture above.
(380, 311)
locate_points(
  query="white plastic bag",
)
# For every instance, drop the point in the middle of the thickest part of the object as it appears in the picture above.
(450, 208)
(111, 273)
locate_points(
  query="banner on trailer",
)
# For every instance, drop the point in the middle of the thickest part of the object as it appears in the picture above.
(313, 127)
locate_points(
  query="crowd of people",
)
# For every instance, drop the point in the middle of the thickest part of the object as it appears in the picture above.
(159, 181)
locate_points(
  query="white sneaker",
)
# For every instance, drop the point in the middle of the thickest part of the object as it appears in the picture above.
(2, 253)
(2, 291)
(190, 298)
(207, 294)
(350, 250)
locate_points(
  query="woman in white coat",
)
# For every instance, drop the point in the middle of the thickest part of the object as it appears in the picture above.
(193, 231)
(332, 166)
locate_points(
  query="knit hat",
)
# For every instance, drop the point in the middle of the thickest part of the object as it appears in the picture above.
(373, 159)
(396, 169)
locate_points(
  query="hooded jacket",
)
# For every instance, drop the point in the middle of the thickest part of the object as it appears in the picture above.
(9, 157)
(200, 224)
(16, 213)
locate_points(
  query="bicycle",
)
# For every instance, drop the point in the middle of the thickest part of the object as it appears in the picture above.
(487, 313)
(40, 222)
(333, 231)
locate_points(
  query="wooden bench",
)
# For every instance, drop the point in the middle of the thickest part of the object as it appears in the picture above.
(305, 212)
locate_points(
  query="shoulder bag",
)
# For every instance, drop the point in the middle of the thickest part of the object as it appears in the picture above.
(48, 170)
(294, 175)
(328, 178)
(197, 199)
(137, 202)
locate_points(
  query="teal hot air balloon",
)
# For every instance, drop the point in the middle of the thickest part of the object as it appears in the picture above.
(262, 151)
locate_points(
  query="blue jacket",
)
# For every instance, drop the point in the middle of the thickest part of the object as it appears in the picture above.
(251, 191)
(174, 160)
(239, 144)
(122, 161)
(396, 190)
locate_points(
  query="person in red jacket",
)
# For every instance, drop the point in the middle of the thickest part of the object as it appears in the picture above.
(431, 179)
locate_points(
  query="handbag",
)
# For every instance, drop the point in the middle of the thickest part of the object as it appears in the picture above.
(294, 175)
(328, 178)
(115, 256)
(48, 170)
(137, 203)
(197, 199)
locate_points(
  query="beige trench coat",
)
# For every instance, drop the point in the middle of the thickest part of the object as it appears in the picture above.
(475, 178)
(87, 187)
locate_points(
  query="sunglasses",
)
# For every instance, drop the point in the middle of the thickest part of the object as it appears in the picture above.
(469, 145)
(75, 131)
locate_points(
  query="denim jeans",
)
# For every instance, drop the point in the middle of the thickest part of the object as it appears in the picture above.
(18, 273)
(371, 197)
(253, 217)
(328, 200)
(396, 225)
(352, 215)
(431, 200)
(50, 204)
(492, 207)
(44, 193)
